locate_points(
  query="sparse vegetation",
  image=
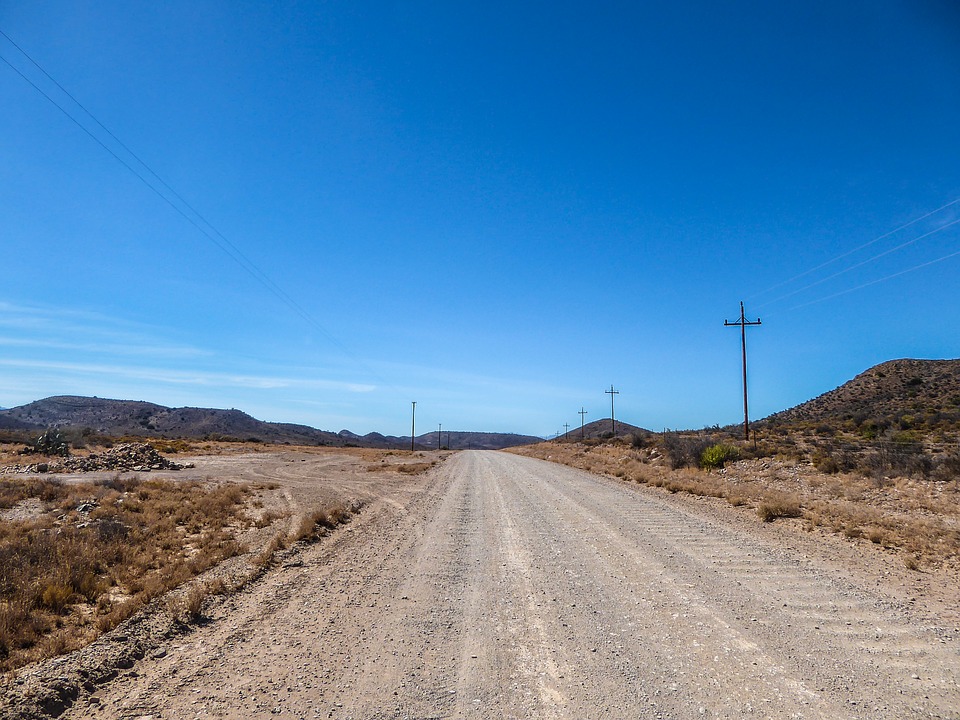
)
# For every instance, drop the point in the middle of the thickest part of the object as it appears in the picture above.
(898, 491)
(51, 442)
(716, 456)
(779, 505)
(89, 555)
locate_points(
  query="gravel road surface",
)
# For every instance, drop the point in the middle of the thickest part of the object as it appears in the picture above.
(498, 586)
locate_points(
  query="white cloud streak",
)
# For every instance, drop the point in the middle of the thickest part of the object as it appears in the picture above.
(189, 377)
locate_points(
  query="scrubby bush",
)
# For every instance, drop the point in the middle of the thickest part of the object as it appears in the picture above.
(778, 505)
(717, 455)
(684, 451)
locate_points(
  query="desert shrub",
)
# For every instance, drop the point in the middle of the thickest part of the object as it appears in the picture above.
(717, 455)
(188, 607)
(826, 463)
(947, 468)
(779, 505)
(899, 454)
(684, 451)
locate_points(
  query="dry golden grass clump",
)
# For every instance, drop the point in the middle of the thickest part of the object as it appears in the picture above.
(83, 557)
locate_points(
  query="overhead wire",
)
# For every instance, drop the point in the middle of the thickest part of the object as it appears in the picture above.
(194, 217)
(865, 262)
(854, 250)
(879, 280)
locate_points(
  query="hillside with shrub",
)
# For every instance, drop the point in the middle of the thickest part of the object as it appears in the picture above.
(876, 460)
(908, 395)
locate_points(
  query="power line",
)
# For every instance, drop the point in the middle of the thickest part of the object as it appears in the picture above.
(880, 280)
(864, 262)
(197, 220)
(854, 250)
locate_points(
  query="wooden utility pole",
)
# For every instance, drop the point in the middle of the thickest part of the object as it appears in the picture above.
(582, 413)
(439, 434)
(566, 429)
(613, 422)
(413, 425)
(742, 323)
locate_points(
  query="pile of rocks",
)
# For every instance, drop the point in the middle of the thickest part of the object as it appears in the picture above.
(138, 457)
(126, 456)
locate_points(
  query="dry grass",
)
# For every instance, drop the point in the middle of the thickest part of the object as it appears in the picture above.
(76, 560)
(319, 523)
(773, 505)
(96, 553)
(413, 468)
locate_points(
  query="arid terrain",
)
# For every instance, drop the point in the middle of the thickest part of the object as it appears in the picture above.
(493, 585)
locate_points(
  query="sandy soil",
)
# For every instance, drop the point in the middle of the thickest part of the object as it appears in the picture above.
(498, 586)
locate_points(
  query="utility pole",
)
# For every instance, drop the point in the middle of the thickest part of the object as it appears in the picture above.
(743, 323)
(566, 429)
(439, 434)
(413, 425)
(582, 413)
(613, 423)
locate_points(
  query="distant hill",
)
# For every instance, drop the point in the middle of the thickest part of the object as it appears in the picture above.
(601, 429)
(912, 393)
(116, 418)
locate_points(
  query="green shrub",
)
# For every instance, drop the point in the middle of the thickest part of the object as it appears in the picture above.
(716, 455)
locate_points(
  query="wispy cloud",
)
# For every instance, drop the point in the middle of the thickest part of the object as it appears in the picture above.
(151, 350)
(53, 328)
(189, 377)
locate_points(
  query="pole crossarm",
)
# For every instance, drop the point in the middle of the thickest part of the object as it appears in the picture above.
(582, 413)
(743, 324)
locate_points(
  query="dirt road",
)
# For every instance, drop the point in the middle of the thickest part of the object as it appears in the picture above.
(498, 586)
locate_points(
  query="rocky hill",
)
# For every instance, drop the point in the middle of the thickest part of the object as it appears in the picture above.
(601, 429)
(119, 418)
(913, 394)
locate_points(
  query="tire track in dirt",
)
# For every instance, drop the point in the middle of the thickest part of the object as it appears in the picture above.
(498, 586)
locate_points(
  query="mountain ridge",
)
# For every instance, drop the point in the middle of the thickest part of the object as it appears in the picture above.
(145, 419)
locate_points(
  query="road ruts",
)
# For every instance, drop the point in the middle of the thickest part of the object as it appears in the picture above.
(505, 587)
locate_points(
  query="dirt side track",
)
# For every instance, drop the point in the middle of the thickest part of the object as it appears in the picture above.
(499, 586)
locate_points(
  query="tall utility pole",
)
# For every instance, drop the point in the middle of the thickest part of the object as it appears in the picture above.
(413, 425)
(566, 429)
(582, 413)
(613, 423)
(743, 323)
(439, 434)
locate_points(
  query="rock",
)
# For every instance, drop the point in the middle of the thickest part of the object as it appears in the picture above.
(139, 457)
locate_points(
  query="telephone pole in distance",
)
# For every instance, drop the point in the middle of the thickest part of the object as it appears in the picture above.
(413, 425)
(613, 422)
(742, 323)
(582, 413)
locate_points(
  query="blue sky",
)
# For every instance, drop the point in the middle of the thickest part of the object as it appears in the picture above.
(495, 209)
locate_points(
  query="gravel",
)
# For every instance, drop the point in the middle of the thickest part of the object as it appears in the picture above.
(500, 586)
